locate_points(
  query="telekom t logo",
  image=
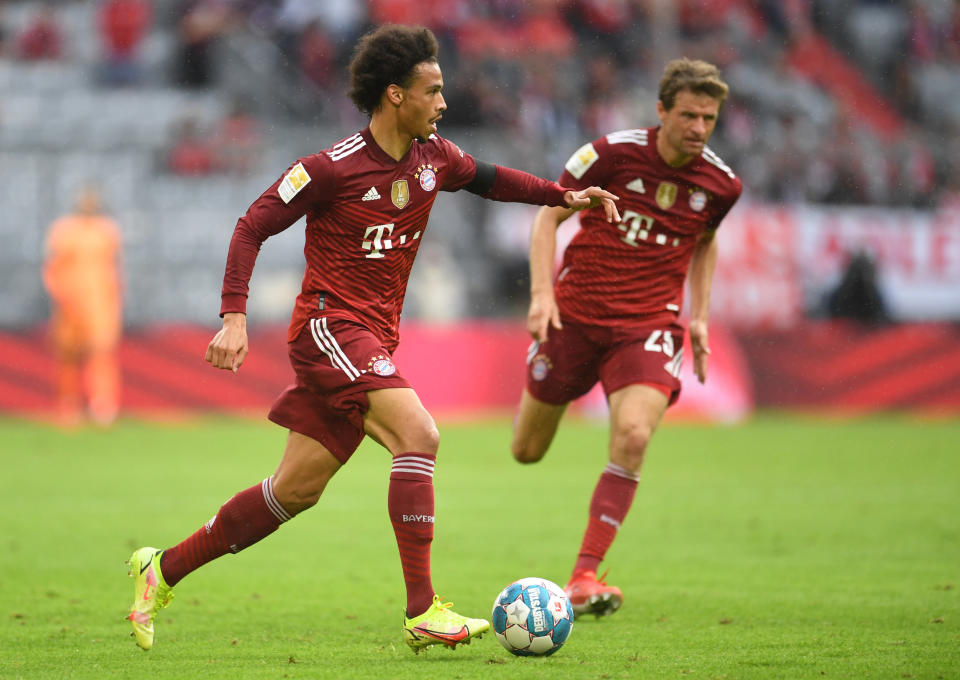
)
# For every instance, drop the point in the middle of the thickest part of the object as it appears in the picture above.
(636, 226)
(639, 227)
(378, 243)
(380, 237)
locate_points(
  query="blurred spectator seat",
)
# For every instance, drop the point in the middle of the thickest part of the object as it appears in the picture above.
(237, 141)
(190, 154)
(814, 57)
(878, 32)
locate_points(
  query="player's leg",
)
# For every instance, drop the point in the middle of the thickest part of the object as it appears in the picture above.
(103, 382)
(69, 355)
(68, 349)
(400, 423)
(635, 412)
(69, 390)
(255, 513)
(534, 427)
(245, 519)
(559, 370)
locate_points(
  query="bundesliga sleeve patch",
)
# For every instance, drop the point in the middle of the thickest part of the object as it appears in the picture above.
(293, 182)
(581, 160)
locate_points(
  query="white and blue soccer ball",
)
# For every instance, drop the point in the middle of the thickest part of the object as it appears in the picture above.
(532, 617)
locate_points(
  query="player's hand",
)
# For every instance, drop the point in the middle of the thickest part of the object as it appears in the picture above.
(543, 314)
(591, 197)
(701, 350)
(229, 347)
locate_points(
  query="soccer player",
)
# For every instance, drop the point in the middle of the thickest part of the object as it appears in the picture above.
(367, 199)
(81, 273)
(611, 314)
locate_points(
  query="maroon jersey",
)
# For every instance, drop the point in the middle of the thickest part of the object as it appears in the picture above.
(632, 273)
(366, 214)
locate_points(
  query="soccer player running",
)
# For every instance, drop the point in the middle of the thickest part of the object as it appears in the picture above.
(611, 314)
(367, 199)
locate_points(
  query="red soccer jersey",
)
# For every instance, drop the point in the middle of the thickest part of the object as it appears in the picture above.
(633, 273)
(366, 214)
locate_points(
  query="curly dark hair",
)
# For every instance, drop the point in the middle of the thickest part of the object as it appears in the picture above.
(385, 56)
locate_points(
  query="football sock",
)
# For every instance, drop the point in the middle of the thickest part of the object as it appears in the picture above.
(611, 501)
(410, 504)
(243, 520)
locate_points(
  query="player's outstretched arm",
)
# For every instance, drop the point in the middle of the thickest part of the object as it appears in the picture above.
(500, 183)
(591, 197)
(229, 346)
(543, 313)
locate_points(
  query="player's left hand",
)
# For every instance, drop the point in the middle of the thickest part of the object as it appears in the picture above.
(701, 350)
(591, 197)
(543, 315)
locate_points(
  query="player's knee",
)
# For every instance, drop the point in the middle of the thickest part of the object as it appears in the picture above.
(422, 437)
(528, 451)
(431, 437)
(630, 442)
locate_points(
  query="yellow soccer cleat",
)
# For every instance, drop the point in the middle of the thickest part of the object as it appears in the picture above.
(150, 593)
(441, 625)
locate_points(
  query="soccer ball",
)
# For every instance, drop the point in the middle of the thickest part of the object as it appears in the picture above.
(532, 617)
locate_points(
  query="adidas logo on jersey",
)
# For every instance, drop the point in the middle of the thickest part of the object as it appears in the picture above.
(371, 195)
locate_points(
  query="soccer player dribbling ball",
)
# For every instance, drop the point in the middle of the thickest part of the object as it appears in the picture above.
(611, 314)
(367, 199)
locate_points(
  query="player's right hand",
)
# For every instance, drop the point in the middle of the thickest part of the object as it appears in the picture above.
(229, 346)
(591, 197)
(543, 314)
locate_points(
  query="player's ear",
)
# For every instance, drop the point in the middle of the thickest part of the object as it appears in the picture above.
(394, 94)
(661, 110)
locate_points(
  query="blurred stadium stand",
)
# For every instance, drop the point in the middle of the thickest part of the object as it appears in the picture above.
(842, 123)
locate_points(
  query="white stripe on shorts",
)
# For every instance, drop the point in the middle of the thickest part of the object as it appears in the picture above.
(324, 339)
(532, 350)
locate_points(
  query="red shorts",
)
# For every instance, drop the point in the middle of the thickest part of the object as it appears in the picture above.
(574, 358)
(336, 363)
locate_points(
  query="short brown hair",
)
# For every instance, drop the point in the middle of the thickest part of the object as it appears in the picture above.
(387, 56)
(695, 75)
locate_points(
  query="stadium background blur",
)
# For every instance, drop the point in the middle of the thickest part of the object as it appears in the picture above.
(843, 123)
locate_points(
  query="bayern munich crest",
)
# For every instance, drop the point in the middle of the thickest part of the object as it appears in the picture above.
(427, 176)
(698, 201)
(539, 367)
(384, 367)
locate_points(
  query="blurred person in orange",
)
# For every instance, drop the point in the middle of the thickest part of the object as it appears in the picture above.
(82, 275)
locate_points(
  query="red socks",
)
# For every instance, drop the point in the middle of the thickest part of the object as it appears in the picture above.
(410, 504)
(246, 518)
(611, 501)
(255, 513)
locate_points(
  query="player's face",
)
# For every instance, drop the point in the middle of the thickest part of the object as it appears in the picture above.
(686, 127)
(423, 104)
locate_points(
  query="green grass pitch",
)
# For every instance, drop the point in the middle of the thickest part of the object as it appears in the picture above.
(787, 547)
